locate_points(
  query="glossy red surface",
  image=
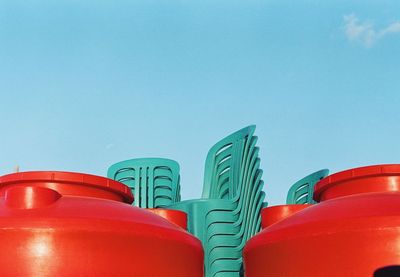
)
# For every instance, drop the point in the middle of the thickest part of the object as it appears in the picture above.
(71, 224)
(70, 184)
(367, 179)
(274, 214)
(352, 232)
(174, 216)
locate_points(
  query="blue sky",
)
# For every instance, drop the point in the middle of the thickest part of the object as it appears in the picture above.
(85, 84)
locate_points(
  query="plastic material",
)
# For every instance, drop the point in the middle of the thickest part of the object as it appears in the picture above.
(222, 169)
(229, 212)
(177, 217)
(353, 231)
(275, 214)
(302, 191)
(359, 180)
(71, 224)
(77, 184)
(153, 181)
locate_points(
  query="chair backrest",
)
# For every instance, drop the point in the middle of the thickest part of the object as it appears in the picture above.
(154, 181)
(224, 163)
(302, 191)
(232, 172)
(229, 212)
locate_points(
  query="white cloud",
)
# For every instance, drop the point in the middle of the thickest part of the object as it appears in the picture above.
(364, 32)
(109, 146)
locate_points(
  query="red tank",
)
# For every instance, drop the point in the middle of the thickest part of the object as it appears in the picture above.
(353, 231)
(274, 214)
(72, 224)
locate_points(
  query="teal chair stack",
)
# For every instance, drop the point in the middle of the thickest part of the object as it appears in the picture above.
(302, 191)
(229, 212)
(154, 181)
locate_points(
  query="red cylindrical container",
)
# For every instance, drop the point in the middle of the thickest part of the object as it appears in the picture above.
(274, 214)
(71, 224)
(174, 216)
(353, 231)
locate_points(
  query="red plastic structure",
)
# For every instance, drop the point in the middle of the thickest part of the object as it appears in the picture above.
(353, 231)
(71, 224)
(174, 216)
(275, 214)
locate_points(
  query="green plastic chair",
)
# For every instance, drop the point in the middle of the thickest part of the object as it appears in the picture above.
(229, 212)
(222, 168)
(154, 181)
(302, 191)
(226, 248)
(225, 251)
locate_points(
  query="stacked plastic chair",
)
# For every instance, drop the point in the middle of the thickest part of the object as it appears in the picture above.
(229, 212)
(154, 181)
(302, 191)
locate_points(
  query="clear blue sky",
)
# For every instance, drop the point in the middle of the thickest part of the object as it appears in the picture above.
(84, 85)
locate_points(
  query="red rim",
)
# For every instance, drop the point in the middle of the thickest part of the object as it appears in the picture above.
(69, 177)
(177, 217)
(355, 173)
(274, 214)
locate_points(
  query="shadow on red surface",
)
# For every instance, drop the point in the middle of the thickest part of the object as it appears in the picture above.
(388, 271)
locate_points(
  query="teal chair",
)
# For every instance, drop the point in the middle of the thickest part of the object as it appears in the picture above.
(225, 250)
(302, 191)
(154, 181)
(229, 247)
(229, 212)
(222, 168)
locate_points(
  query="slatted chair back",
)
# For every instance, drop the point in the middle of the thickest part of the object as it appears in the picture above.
(302, 191)
(223, 162)
(154, 181)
